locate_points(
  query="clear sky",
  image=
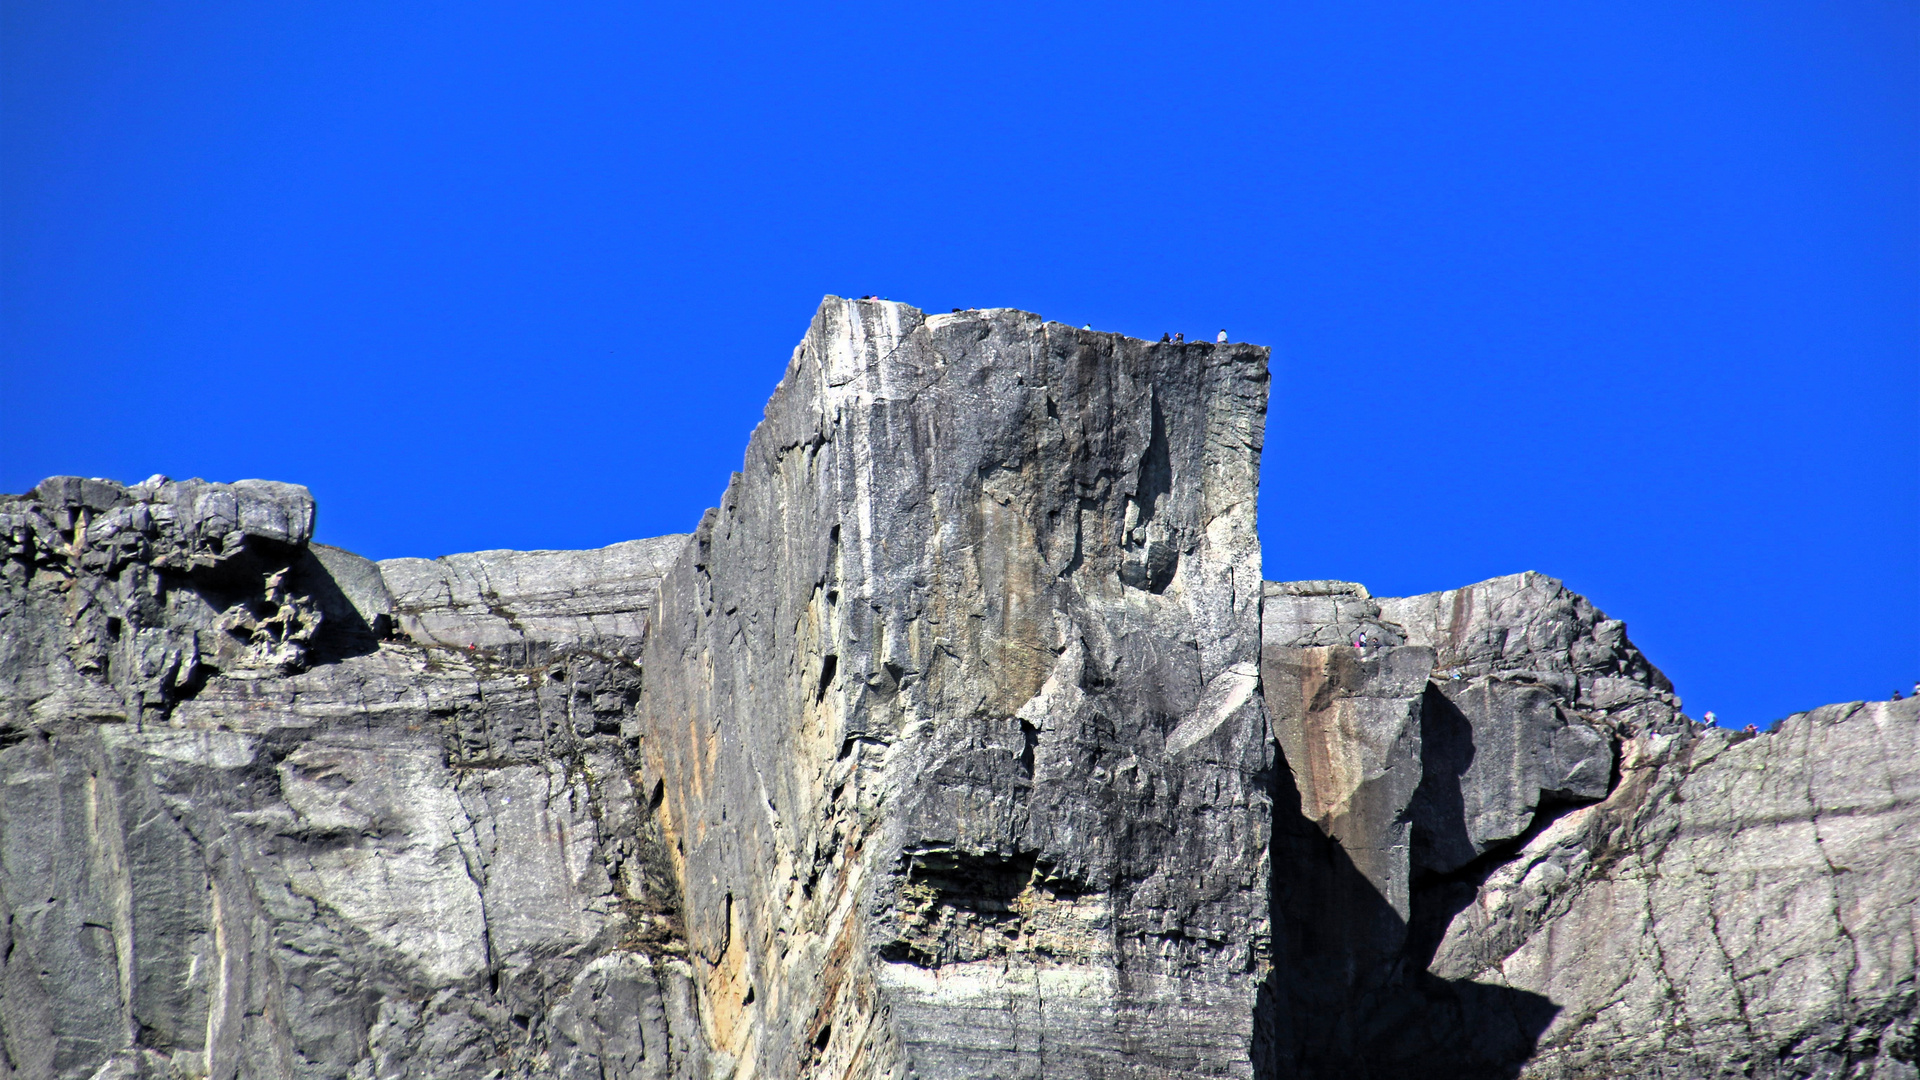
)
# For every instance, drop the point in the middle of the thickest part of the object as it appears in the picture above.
(1624, 292)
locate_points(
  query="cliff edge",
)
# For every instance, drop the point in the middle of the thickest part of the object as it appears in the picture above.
(963, 739)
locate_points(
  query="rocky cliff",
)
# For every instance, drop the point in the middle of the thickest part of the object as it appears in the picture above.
(963, 739)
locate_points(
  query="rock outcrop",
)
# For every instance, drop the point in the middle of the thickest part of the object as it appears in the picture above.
(963, 739)
(954, 705)
(1739, 905)
(247, 831)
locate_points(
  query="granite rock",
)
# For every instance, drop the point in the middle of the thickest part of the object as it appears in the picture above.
(1305, 614)
(1532, 687)
(963, 739)
(954, 701)
(1739, 905)
(527, 601)
(246, 830)
(1583, 883)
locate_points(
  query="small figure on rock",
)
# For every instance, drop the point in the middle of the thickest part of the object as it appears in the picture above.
(1712, 719)
(1089, 326)
(1361, 641)
(1221, 337)
(1751, 730)
(1896, 695)
(1179, 337)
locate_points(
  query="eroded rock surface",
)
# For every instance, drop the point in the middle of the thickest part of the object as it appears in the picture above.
(524, 601)
(1740, 905)
(955, 704)
(962, 740)
(1581, 882)
(245, 831)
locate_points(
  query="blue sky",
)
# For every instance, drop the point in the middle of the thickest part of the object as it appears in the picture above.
(1627, 293)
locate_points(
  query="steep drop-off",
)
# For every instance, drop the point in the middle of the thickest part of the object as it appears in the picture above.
(963, 739)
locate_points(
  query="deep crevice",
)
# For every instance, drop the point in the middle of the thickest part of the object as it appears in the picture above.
(828, 665)
(1349, 994)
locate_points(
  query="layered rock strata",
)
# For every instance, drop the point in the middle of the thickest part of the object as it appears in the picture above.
(962, 740)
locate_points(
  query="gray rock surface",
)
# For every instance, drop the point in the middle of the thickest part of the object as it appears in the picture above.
(962, 740)
(1738, 906)
(1532, 686)
(524, 601)
(1583, 883)
(1348, 721)
(245, 833)
(955, 704)
(1304, 614)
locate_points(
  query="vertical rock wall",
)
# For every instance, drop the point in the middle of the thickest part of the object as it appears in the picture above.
(1422, 739)
(1527, 863)
(950, 756)
(952, 707)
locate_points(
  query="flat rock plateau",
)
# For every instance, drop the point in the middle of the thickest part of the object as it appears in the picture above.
(966, 738)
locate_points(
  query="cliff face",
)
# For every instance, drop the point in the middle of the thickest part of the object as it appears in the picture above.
(1737, 906)
(962, 740)
(1513, 856)
(953, 705)
(246, 831)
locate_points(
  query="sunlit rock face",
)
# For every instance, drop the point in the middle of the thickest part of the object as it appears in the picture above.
(954, 702)
(963, 739)
(1512, 856)
(1738, 905)
(268, 809)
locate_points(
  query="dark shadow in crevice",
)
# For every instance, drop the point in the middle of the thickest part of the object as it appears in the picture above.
(344, 632)
(1349, 995)
(1448, 868)
(1438, 897)
(1440, 839)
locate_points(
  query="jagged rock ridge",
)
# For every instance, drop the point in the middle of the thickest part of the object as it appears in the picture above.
(962, 740)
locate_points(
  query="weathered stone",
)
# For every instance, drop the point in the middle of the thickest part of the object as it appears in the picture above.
(629, 1016)
(528, 600)
(1348, 721)
(243, 833)
(1305, 614)
(950, 757)
(1411, 791)
(349, 591)
(1738, 906)
(954, 702)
